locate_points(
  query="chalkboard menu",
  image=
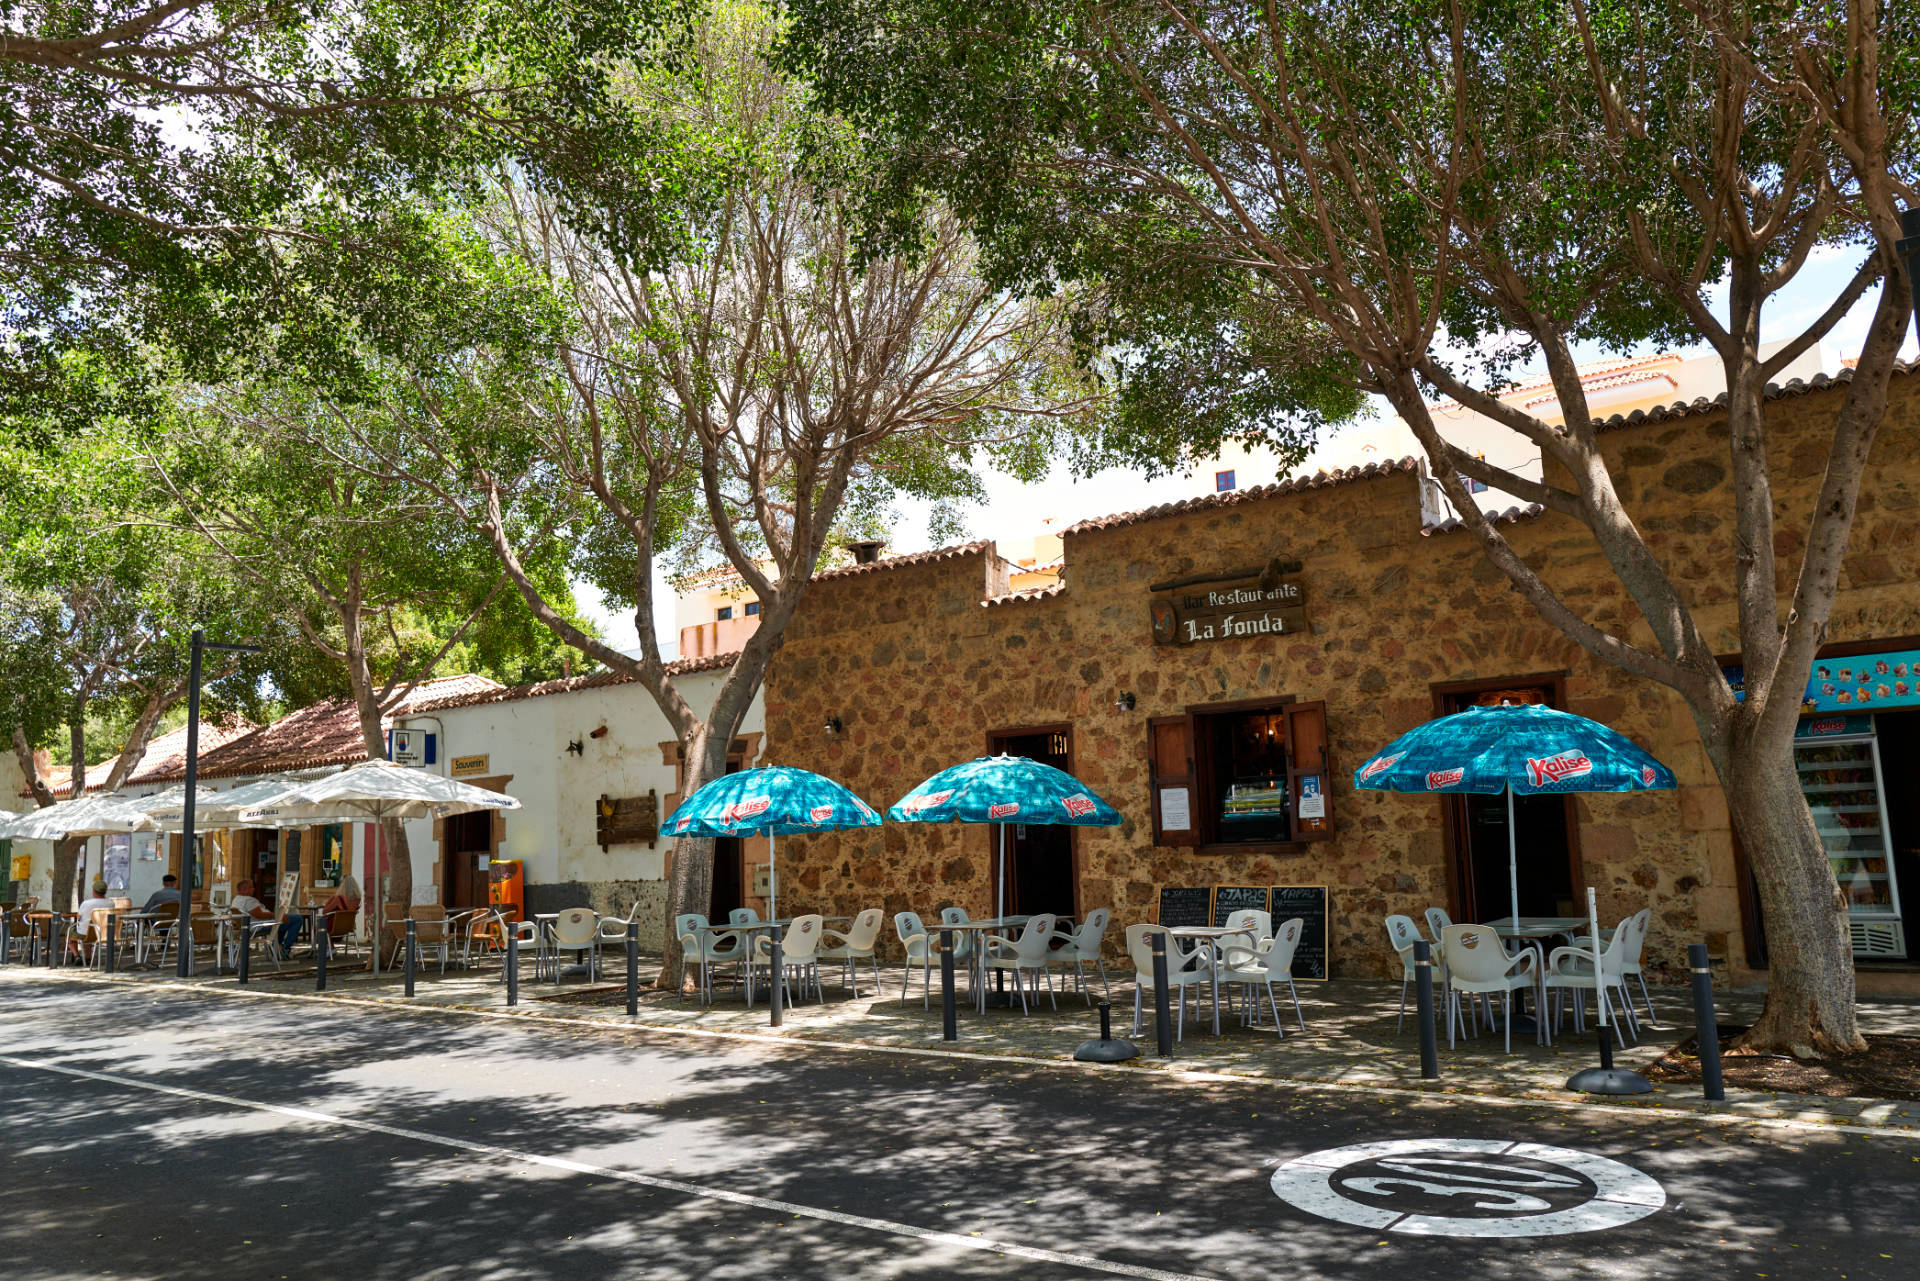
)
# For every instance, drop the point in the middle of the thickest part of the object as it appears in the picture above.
(1309, 903)
(1228, 899)
(1186, 906)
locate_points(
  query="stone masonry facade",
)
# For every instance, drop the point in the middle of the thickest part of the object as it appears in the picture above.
(924, 657)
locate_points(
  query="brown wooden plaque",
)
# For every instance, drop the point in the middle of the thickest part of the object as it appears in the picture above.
(627, 820)
(1229, 611)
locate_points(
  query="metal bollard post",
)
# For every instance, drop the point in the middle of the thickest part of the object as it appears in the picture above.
(777, 987)
(513, 969)
(6, 934)
(58, 959)
(633, 968)
(113, 942)
(1162, 1019)
(949, 1017)
(322, 946)
(1706, 1023)
(1423, 989)
(413, 949)
(245, 944)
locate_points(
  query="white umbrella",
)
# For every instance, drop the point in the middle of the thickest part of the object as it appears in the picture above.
(374, 790)
(88, 816)
(168, 807)
(217, 809)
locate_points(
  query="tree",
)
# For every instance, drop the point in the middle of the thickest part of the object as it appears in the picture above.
(95, 607)
(764, 390)
(366, 573)
(226, 173)
(1443, 191)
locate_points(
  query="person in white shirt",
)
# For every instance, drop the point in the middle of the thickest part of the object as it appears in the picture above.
(260, 917)
(98, 902)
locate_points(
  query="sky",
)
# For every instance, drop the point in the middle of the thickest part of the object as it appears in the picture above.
(1014, 510)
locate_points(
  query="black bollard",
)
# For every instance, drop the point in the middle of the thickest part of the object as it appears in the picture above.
(777, 988)
(113, 942)
(413, 948)
(59, 958)
(245, 959)
(949, 1017)
(1162, 1018)
(1706, 1023)
(633, 968)
(1423, 989)
(322, 945)
(6, 934)
(513, 969)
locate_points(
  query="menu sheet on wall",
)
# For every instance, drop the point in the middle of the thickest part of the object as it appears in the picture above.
(1176, 813)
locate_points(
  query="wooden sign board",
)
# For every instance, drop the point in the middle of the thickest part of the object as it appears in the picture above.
(469, 766)
(1228, 899)
(1229, 611)
(627, 820)
(1309, 903)
(1191, 905)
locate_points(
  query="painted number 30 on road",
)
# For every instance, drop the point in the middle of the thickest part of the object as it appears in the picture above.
(1468, 1188)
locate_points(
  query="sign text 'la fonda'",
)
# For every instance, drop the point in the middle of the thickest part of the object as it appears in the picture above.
(1229, 611)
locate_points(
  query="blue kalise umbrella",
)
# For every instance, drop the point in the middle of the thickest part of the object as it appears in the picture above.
(1004, 789)
(1519, 749)
(773, 801)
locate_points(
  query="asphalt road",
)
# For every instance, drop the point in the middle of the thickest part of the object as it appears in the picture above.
(153, 1134)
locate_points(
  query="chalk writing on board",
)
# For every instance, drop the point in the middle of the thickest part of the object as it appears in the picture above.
(1309, 903)
(1228, 899)
(1186, 905)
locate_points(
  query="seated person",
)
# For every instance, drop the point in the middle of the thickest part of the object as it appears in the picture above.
(168, 893)
(98, 902)
(247, 905)
(345, 899)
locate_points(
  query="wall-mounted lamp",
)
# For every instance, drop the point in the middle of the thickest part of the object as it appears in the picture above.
(577, 747)
(1124, 703)
(833, 726)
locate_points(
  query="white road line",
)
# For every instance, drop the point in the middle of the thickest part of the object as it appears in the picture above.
(1087, 1262)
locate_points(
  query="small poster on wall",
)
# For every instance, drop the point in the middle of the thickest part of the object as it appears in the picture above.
(116, 862)
(1313, 801)
(1176, 814)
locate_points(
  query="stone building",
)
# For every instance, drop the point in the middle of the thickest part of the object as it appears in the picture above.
(895, 669)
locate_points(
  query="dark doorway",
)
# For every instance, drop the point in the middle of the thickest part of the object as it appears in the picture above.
(467, 838)
(729, 858)
(1039, 856)
(1543, 827)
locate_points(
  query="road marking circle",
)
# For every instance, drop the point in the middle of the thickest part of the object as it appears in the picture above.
(1468, 1188)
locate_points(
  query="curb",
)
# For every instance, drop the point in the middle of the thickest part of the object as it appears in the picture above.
(1672, 1109)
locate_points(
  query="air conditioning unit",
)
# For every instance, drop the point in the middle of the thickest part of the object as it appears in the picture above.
(1879, 939)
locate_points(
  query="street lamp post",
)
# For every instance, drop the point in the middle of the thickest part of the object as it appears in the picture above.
(1908, 247)
(188, 858)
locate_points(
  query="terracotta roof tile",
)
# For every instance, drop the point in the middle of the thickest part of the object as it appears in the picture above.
(902, 562)
(574, 684)
(1511, 515)
(1025, 593)
(326, 733)
(164, 753)
(1709, 404)
(1319, 480)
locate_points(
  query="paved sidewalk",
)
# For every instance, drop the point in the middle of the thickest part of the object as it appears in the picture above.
(1350, 1038)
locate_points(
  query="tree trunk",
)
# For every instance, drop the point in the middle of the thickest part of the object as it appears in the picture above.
(66, 873)
(399, 865)
(690, 879)
(1810, 990)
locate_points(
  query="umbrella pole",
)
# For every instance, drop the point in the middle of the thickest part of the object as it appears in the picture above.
(773, 881)
(1000, 900)
(1513, 858)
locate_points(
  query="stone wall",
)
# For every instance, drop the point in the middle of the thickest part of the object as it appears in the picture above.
(921, 672)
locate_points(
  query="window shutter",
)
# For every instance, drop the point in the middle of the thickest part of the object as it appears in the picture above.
(1309, 771)
(1170, 772)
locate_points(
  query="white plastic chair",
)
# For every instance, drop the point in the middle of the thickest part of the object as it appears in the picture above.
(577, 929)
(1256, 924)
(857, 944)
(964, 949)
(1249, 966)
(920, 948)
(1184, 970)
(743, 916)
(799, 948)
(1402, 934)
(708, 948)
(1025, 956)
(1478, 964)
(1078, 946)
(524, 938)
(1570, 969)
(1630, 965)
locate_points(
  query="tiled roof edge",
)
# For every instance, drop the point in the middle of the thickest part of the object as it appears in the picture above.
(1510, 516)
(574, 684)
(1025, 593)
(954, 552)
(1708, 404)
(1206, 502)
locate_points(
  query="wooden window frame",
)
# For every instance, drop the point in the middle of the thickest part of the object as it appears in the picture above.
(1200, 776)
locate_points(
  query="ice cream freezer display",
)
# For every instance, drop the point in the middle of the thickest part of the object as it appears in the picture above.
(1839, 764)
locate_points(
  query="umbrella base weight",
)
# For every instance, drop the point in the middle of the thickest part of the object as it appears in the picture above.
(1609, 1081)
(1099, 1051)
